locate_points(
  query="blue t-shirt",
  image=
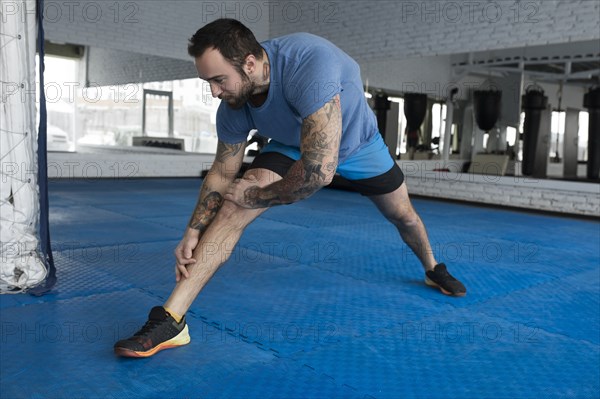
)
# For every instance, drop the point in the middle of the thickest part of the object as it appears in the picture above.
(307, 71)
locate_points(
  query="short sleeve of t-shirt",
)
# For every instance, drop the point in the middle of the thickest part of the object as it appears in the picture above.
(313, 79)
(233, 125)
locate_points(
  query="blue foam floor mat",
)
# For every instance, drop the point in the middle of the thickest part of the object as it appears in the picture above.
(320, 299)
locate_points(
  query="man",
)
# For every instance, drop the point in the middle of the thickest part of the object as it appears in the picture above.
(307, 96)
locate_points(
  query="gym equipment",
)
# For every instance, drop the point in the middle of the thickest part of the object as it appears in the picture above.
(534, 102)
(487, 105)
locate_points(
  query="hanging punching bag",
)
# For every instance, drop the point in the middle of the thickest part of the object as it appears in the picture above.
(533, 103)
(415, 108)
(381, 105)
(591, 100)
(487, 108)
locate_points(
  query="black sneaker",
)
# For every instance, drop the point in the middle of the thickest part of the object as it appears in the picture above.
(161, 331)
(440, 278)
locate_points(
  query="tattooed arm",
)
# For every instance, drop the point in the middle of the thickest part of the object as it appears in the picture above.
(319, 147)
(227, 163)
(223, 171)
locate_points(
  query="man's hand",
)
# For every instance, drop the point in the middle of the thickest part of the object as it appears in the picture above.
(319, 147)
(244, 192)
(183, 253)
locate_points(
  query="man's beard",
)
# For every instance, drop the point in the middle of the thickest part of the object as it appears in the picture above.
(242, 98)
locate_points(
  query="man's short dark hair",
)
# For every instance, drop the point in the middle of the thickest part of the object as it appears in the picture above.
(232, 38)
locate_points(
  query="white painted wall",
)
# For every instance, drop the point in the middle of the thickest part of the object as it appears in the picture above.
(160, 28)
(116, 67)
(142, 40)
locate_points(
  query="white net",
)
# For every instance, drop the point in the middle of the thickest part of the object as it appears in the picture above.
(22, 266)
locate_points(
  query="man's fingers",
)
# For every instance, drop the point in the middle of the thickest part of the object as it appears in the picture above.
(181, 260)
(181, 271)
(184, 271)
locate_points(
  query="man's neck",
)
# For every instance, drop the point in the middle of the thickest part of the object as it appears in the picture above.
(263, 79)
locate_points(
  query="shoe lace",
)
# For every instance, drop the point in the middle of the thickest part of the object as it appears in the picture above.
(442, 274)
(147, 328)
(445, 275)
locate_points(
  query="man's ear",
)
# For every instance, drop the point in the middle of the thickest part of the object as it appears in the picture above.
(250, 64)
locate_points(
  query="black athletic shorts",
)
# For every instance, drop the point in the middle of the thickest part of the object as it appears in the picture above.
(382, 184)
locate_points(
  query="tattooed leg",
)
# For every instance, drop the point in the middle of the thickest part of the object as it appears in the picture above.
(216, 244)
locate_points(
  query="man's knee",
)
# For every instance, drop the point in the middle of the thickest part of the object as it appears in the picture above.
(232, 213)
(406, 219)
(410, 219)
(263, 176)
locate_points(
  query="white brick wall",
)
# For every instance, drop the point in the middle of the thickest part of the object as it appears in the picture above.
(392, 29)
(514, 191)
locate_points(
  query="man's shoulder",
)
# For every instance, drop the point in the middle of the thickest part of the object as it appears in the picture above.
(294, 37)
(295, 42)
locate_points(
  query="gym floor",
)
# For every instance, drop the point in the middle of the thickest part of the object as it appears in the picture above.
(319, 300)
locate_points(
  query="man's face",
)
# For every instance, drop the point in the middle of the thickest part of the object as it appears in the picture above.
(225, 80)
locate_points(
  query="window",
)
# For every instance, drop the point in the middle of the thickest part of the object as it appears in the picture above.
(557, 132)
(60, 86)
(582, 143)
(118, 117)
(438, 123)
(518, 140)
(112, 115)
(511, 135)
(401, 145)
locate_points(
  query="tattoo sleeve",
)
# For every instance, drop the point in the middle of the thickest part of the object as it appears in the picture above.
(227, 151)
(319, 145)
(211, 199)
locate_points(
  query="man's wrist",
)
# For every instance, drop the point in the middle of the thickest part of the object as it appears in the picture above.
(192, 231)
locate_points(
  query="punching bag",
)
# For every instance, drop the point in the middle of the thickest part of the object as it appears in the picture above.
(533, 103)
(415, 109)
(381, 105)
(487, 108)
(591, 100)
